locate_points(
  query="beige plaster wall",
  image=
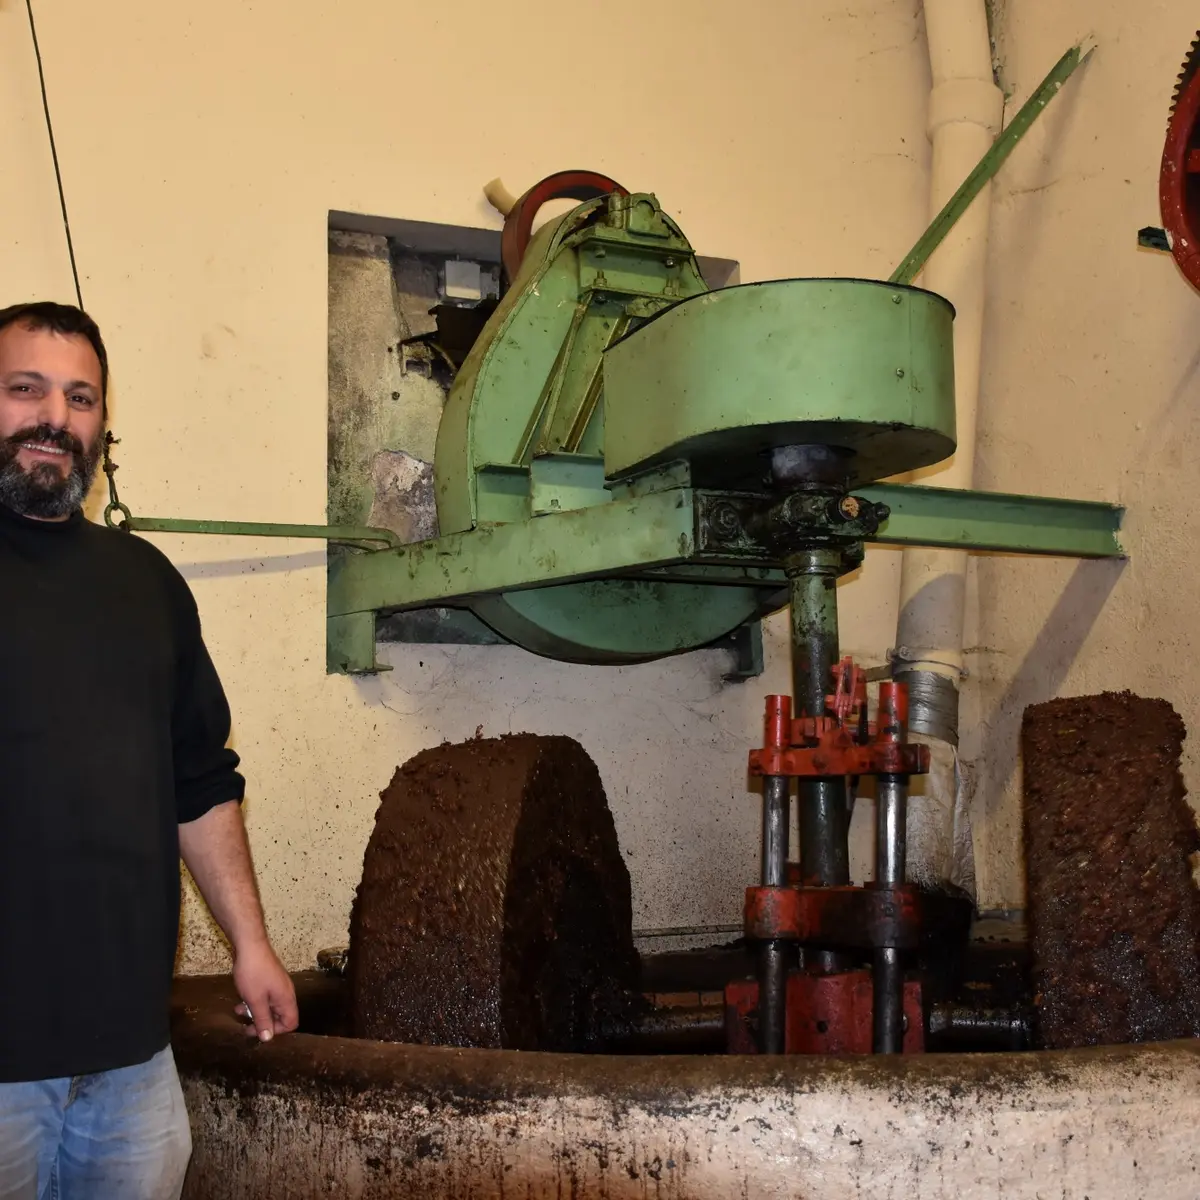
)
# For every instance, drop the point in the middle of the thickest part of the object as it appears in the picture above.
(1090, 389)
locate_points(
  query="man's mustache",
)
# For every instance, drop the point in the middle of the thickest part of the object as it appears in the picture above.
(47, 435)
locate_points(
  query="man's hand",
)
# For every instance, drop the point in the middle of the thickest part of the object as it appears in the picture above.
(216, 852)
(268, 997)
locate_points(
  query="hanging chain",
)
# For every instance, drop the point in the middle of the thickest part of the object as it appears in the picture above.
(114, 501)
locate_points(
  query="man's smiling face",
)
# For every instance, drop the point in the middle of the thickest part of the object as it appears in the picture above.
(51, 420)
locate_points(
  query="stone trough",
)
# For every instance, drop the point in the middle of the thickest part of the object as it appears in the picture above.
(320, 1115)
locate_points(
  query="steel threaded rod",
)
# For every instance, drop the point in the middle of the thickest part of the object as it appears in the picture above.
(773, 955)
(891, 853)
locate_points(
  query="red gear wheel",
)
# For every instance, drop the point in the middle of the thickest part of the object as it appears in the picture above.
(1179, 175)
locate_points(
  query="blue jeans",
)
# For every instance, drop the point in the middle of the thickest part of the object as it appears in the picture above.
(120, 1134)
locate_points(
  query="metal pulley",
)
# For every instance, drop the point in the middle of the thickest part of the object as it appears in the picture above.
(563, 185)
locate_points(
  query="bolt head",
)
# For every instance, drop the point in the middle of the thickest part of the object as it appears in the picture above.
(850, 507)
(725, 520)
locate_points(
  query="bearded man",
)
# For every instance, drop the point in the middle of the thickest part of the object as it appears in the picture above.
(113, 763)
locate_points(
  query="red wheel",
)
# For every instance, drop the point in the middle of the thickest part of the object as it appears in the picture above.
(563, 185)
(1179, 175)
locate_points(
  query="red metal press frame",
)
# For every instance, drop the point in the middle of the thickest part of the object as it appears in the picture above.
(841, 741)
(833, 1013)
(861, 917)
(826, 1014)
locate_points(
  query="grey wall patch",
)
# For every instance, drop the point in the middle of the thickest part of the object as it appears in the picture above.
(403, 496)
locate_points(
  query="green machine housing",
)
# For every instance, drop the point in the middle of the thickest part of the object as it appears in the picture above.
(627, 458)
(630, 465)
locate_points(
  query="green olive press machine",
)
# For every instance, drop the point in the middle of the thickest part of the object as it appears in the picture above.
(630, 465)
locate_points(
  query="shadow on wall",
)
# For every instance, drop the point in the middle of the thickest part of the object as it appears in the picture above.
(1041, 674)
(228, 568)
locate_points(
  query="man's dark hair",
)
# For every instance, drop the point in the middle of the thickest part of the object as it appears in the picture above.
(65, 319)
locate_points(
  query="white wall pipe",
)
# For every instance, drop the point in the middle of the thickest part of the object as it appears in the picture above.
(965, 112)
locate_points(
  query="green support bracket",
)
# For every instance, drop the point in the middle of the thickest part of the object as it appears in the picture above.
(605, 540)
(350, 645)
(995, 522)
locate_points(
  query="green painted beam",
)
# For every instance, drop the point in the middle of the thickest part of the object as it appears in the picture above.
(988, 165)
(607, 539)
(994, 521)
(657, 530)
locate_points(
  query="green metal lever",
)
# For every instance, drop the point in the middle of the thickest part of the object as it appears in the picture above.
(355, 535)
(988, 165)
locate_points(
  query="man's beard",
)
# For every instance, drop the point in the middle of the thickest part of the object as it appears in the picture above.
(44, 491)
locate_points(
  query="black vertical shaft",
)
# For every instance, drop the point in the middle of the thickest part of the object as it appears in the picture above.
(824, 841)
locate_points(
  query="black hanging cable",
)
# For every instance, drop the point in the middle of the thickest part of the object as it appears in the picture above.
(110, 467)
(62, 199)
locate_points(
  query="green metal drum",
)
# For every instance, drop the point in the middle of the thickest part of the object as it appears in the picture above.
(722, 379)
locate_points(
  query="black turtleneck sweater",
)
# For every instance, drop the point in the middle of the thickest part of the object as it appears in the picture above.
(113, 730)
